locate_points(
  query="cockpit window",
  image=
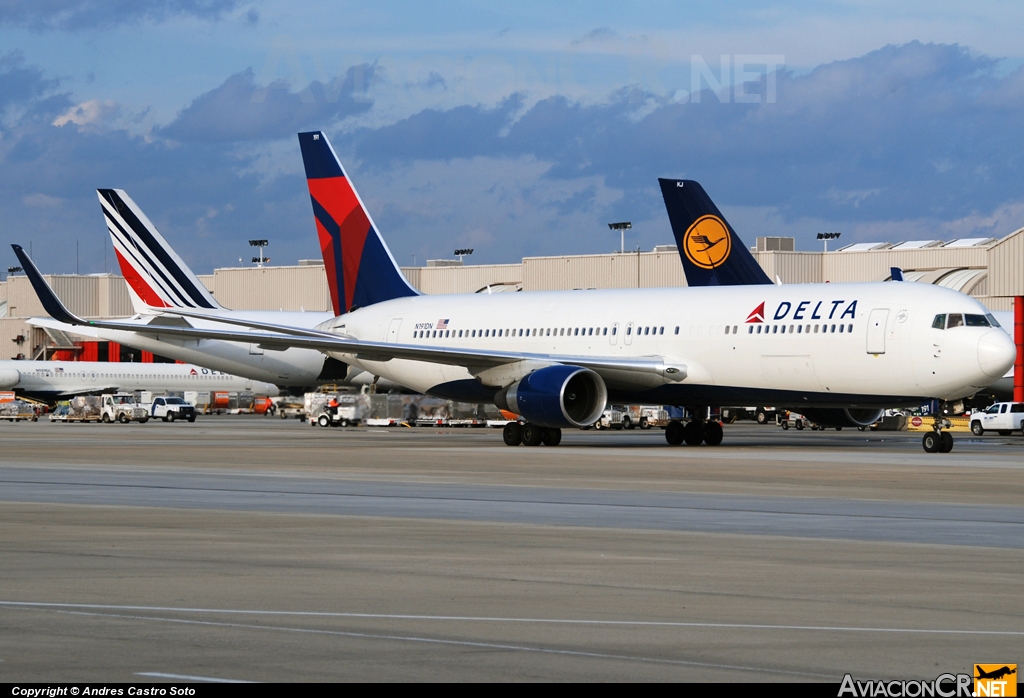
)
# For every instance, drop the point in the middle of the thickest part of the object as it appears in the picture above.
(976, 320)
(955, 320)
(992, 320)
(939, 322)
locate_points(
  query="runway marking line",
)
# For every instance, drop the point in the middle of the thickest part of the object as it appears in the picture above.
(499, 619)
(185, 677)
(457, 643)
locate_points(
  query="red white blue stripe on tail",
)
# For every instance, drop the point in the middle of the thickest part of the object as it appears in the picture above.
(156, 276)
(360, 268)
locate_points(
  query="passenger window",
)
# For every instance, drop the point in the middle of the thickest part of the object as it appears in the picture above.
(955, 320)
(841, 329)
(727, 329)
(647, 330)
(677, 329)
(783, 329)
(849, 328)
(833, 328)
(799, 329)
(614, 330)
(939, 322)
(750, 329)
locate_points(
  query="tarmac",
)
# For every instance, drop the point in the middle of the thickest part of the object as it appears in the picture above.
(256, 549)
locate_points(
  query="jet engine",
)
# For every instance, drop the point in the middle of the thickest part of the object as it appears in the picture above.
(556, 396)
(9, 377)
(842, 416)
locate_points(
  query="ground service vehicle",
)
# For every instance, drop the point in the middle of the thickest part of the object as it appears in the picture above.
(170, 409)
(122, 407)
(1002, 417)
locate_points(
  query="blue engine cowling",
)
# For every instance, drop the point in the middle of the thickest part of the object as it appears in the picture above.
(557, 396)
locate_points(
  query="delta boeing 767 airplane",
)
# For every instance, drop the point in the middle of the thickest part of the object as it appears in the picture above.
(838, 353)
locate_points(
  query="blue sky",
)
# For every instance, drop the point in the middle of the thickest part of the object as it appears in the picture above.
(515, 131)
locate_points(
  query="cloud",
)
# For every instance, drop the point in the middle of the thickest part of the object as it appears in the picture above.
(90, 114)
(241, 110)
(918, 131)
(43, 15)
(21, 84)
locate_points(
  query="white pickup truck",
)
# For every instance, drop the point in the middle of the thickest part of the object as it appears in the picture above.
(1002, 417)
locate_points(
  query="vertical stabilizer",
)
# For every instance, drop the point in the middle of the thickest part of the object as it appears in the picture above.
(156, 276)
(360, 268)
(712, 253)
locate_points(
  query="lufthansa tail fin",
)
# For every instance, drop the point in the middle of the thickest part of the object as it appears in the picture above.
(712, 253)
(156, 276)
(360, 268)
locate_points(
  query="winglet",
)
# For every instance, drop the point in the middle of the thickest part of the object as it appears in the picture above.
(896, 273)
(51, 303)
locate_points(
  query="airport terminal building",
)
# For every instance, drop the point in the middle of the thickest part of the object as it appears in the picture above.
(989, 269)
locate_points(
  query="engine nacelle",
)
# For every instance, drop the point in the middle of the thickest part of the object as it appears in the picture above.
(842, 416)
(557, 396)
(9, 377)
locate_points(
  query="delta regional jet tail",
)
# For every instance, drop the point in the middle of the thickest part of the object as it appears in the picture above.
(838, 352)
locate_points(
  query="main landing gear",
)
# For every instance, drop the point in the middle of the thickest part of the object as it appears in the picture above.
(530, 435)
(694, 433)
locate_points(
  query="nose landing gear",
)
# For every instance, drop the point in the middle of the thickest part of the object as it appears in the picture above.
(938, 441)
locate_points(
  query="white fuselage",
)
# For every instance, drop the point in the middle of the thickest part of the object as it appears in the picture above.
(82, 377)
(818, 344)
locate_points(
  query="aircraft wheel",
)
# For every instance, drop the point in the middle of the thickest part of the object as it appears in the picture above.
(713, 433)
(945, 442)
(674, 433)
(532, 434)
(693, 433)
(323, 420)
(513, 434)
(977, 429)
(552, 437)
(931, 442)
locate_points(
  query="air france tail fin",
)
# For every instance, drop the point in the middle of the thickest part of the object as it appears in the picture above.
(360, 268)
(156, 276)
(712, 253)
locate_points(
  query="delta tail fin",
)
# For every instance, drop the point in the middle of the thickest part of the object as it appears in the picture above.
(360, 268)
(156, 276)
(712, 253)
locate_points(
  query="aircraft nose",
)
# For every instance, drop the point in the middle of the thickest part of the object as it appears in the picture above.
(996, 353)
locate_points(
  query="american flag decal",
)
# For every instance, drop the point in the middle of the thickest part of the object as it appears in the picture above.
(442, 324)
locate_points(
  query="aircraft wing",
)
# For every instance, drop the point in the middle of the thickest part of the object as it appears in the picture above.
(273, 336)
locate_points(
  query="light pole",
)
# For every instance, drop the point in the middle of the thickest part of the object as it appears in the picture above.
(261, 260)
(622, 228)
(13, 270)
(825, 237)
(462, 252)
